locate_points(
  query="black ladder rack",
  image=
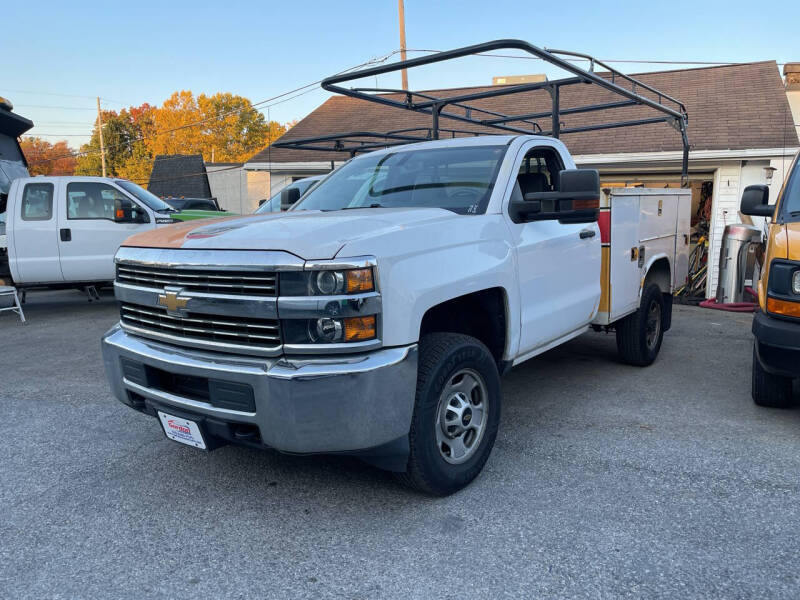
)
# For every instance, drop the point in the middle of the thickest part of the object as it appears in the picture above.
(631, 91)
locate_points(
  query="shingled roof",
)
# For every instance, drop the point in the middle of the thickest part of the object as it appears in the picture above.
(179, 176)
(740, 106)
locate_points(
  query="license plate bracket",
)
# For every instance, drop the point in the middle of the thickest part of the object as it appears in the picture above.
(182, 430)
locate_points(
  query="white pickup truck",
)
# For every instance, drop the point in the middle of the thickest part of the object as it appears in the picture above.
(64, 231)
(376, 317)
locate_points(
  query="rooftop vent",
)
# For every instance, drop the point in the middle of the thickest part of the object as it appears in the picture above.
(517, 79)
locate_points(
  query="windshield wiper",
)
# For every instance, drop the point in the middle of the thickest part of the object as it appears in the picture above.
(794, 213)
(373, 205)
(169, 209)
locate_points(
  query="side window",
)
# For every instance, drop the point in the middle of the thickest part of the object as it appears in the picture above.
(90, 200)
(37, 202)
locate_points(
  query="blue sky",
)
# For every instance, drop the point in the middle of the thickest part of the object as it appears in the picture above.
(57, 54)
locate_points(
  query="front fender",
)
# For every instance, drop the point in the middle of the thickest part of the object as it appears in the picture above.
(425, 266)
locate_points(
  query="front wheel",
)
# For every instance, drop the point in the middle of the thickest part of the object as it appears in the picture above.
(639, 335)
(456, 413)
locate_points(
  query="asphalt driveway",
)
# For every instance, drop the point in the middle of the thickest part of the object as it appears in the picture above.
(606, 481)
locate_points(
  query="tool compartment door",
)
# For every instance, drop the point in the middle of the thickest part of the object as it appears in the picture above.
(624, 270)
(680, 273)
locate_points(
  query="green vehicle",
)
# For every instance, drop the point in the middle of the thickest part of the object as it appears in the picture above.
(191, 215)
(190, 209)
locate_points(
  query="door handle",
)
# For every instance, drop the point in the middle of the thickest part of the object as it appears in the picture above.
(66, 235)
(587, 233)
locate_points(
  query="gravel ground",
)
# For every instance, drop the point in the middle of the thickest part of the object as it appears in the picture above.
(606, 481)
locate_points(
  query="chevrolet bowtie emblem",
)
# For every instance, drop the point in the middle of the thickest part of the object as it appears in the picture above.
(171, 301)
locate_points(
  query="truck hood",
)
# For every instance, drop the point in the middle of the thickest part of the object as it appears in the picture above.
(307, 234)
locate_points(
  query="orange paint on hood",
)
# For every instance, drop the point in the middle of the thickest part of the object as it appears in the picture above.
(172, 236)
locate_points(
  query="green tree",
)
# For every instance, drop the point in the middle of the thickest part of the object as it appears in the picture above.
(126, 149)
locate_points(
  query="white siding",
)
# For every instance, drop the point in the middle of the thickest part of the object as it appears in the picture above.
(729, 183)
(237, 190)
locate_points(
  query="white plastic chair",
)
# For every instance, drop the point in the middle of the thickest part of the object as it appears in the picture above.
(7, 290)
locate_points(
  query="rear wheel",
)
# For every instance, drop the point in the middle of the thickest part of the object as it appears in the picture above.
(770, 390)
(639, 335)
(456, 413)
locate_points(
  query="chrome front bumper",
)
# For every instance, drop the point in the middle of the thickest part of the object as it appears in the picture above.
(304, 405)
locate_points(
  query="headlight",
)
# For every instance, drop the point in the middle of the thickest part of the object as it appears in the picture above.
(327, 282)
(329, 330)
(783, 288)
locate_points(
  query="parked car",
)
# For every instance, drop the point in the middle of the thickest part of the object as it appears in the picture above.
(193, 203)
(190, 209)
(376, 316)
(776, 323)
(301, 186)
(192, 215)
(64, 231)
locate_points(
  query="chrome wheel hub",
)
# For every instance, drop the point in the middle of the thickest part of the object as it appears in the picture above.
(461, 416)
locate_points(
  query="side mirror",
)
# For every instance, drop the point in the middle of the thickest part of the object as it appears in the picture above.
(755, 201)
(126, 211)
(123, 211)
(576, 201)
(288, 197)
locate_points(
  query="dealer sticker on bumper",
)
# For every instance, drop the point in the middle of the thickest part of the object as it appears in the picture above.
(182, 430)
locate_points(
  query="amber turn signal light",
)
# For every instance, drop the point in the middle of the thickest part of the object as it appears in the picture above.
(359, 280)
(783, 307)
(357, 329)
(586, 204)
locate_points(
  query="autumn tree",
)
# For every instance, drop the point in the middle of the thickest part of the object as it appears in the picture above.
(124, 136)
(223, 127)
(45, 158)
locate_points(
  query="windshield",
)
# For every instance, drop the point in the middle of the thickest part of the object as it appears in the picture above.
(274, 203)
(178, 203)
(151, 200)
(457, 179)
(791, 195)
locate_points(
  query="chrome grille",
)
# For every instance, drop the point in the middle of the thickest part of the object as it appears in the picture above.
(241, 332)
(249, 283)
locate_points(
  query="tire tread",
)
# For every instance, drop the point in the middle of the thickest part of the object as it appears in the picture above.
(432, 350)
(631, 344)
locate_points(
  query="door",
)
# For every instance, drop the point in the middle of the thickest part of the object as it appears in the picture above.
(88, 235)
(34, 236)
(559, 264)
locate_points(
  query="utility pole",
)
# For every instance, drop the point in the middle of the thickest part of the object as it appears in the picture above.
(100, 129)
(402, 12)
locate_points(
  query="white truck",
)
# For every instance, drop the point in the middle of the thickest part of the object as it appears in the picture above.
(376, 317)
(64, 231)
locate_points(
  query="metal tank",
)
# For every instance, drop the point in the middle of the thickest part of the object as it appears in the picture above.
(737, 261)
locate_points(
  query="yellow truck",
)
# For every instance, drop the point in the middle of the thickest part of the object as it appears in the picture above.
(776, 324)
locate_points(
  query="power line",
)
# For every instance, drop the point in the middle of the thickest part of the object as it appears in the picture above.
(230, 112)
(186, 175)
(58, 94)
(37, 134)
(52, 106)
(605, 60)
